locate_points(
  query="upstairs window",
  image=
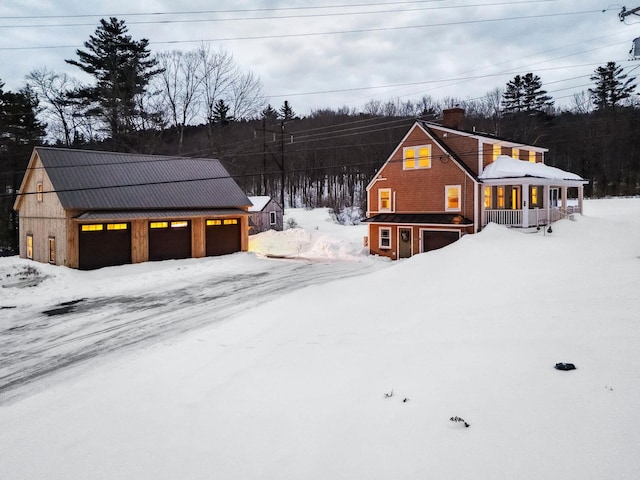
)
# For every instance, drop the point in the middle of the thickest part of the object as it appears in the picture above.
(532, 157)
(384, 200)
(416, 157)
(39, 192)
(452, 200)
(497, 151)
(515, 153)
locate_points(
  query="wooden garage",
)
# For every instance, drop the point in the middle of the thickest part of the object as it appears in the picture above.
(88, 209)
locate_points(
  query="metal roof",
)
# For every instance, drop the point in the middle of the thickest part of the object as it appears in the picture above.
(93, 180)
(136, 214)
(452, 219)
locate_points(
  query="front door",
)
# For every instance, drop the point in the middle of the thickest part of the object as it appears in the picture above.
(404, 242)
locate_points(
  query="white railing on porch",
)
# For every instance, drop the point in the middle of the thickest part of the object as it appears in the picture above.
(503, 217)
(537, 216)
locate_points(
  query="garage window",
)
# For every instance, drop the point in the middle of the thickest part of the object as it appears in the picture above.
(30, 247)
(52, 250)
(159, 225)
(95, 227)
(117, 226)
(214, 223)
(181, 224)
(230, 221)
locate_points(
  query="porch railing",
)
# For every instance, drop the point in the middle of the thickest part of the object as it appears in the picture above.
(537, 216)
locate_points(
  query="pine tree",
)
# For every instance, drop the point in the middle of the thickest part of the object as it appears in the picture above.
(611, 86)
(269, 113)
(525, 94)
(122, 69)
(221, 113)
(286, 112)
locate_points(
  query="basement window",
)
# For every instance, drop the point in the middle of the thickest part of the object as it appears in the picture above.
(159, 225)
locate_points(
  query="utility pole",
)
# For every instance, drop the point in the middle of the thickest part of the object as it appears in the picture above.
(279, 162)
(624, 13)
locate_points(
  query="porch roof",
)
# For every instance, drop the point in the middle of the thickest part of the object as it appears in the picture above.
(420, 219)
(505, 167)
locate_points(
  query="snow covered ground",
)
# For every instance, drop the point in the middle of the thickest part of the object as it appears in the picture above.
(358, 377)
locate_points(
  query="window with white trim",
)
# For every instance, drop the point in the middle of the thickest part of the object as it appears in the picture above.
(52, 250)
(384, 200)
(452, 198)
(385, 238)
(416, 157)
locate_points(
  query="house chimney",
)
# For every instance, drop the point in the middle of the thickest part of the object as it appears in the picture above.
(453, 118)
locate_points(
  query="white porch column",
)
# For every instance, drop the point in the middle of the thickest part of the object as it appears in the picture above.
(580, 198)
(564, 197)
(525, 205)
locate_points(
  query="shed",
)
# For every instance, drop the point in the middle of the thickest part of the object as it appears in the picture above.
(90, 209)
(266, 214)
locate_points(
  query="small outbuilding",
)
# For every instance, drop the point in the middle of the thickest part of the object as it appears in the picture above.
(90, 209)
(266, 214)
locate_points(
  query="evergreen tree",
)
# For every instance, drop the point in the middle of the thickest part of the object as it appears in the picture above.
(269, 113)
(221, 113)
(122, 69)
(525, 94)
(20, 131)
(286, 112)
(611, 86)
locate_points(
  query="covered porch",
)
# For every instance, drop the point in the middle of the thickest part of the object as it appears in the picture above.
(523, 194)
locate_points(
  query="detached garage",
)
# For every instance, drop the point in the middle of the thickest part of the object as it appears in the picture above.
(88, 209)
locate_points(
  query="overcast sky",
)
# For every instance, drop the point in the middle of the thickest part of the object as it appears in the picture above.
(334, 53)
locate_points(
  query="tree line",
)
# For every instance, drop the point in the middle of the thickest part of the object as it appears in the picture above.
(202, 103)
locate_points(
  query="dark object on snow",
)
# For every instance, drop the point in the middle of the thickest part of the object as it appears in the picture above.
(388, 395)
(405, 400)
(459, 420)
(565, 366)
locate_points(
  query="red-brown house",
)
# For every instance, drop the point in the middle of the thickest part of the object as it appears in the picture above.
(442, 182)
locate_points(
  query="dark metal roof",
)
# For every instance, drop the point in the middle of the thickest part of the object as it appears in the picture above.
(420, 219)
(135, 214)
(93, 180)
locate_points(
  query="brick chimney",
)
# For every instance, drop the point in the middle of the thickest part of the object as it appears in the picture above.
(453, 118)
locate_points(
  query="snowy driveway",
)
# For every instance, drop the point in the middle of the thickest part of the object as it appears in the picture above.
(45, 336)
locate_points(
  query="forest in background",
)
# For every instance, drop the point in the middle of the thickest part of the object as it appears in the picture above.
(202, 104)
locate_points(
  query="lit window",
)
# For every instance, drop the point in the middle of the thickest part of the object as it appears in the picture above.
(453, 198)
(230, 221)
(416, 157)
(159, 225)
(500, 197)
(272, 218)
(515, 153)
(39, 192)
(52, 250)
(385, 238)
(212, 223)
(532, 157)
(117, 226)
(30, 246)
(384, 199)
(535, 196)
(180, 224)
(497, 150)
(487, 197)
(96, 227)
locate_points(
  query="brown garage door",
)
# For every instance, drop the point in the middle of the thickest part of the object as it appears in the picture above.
(223, 236)
(104, 245)
(169, 240)
(434, 239)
